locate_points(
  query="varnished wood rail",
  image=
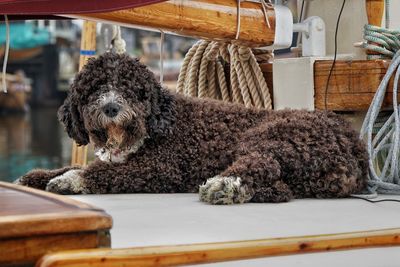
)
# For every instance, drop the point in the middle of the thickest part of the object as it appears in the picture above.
(205, 19)
(218, 252)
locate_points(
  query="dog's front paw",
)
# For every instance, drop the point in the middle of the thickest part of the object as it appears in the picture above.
(69, 183)
(221, 190)
(35, 178)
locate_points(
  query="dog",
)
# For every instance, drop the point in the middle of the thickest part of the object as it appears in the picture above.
(150, 140)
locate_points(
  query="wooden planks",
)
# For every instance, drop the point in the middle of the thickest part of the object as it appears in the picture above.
(217, 252)
(205, 19)
(352, 85)
(34, 222)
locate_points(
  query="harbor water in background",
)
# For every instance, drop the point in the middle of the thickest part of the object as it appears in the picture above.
(32, 140)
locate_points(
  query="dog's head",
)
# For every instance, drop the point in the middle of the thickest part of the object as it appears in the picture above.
(114, 102)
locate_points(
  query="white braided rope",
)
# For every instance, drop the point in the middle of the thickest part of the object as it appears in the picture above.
(203, 74)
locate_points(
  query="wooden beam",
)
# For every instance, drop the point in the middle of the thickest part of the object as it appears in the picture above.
(88, 43)
(218, 252)
(205, 19)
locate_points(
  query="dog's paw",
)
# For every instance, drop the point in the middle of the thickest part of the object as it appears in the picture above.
(69, 183)
(221, 190)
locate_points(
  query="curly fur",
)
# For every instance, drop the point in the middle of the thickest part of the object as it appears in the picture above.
(278, 155)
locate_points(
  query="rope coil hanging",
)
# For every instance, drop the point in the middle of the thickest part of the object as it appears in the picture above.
(203, 74)
(203, 70)
(388, 41)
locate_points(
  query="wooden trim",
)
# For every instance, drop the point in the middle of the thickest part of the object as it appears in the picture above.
(27, 250)
(217, 252)
(205, 19)
(67, 222)
(88, 42)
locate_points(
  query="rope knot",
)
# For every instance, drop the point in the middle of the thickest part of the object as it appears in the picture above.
(119, 46)
(244, 53)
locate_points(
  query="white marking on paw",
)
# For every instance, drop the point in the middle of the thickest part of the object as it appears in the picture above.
(224, 190)
(71, 182)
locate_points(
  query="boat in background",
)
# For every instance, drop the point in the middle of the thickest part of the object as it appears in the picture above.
(18, 93)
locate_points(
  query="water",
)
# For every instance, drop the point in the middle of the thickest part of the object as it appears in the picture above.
(32, 140)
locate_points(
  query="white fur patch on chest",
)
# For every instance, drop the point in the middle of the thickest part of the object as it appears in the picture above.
(117, 155)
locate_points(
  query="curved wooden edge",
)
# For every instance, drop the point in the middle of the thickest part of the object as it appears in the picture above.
(218, 252)
(49, 196)
(80, 216)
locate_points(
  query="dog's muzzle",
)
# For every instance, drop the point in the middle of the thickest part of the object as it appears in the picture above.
(111, 109)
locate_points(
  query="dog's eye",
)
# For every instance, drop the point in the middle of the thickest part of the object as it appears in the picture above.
(120, 100)
(143, 94)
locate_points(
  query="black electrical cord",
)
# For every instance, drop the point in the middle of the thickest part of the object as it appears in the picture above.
(334, 57)
(301, 12)
(376, 201)
(300, 20)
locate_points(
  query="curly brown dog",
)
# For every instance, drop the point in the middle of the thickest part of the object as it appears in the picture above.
(149, 140)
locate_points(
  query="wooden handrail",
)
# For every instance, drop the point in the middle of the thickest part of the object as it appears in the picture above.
(205, 19)
(217, 252)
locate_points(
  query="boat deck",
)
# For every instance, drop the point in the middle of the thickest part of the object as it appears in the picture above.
(169, 219)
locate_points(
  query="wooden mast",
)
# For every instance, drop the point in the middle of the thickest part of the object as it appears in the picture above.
(375, 10)
(205, 19)
(88, 48)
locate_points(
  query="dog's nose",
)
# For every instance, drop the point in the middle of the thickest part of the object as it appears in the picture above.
(111, 109)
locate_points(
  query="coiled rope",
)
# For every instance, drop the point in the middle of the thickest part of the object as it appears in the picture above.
(203, 70)
(383, 41)
(384, 146)
(203, 74)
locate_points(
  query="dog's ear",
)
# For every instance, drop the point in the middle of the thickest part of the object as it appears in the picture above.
(163, 112)
(71, 117)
